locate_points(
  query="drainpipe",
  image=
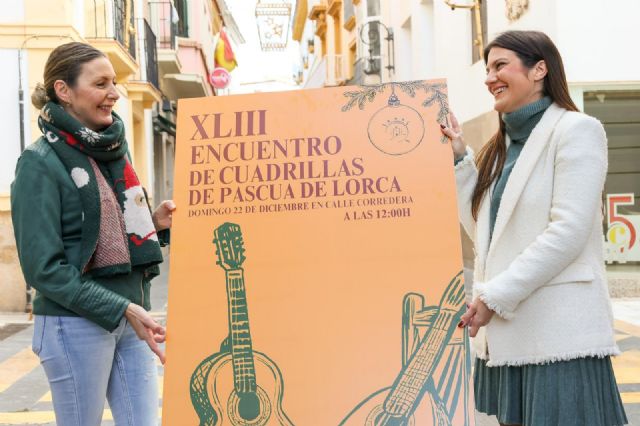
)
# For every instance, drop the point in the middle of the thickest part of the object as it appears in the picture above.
(21, 96)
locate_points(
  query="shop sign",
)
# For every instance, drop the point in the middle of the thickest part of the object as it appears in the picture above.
(220, 78)
(621, 239)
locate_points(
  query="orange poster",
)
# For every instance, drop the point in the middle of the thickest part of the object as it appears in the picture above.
(316, 262)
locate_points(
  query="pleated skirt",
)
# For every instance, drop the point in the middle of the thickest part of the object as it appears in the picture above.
(579, 392)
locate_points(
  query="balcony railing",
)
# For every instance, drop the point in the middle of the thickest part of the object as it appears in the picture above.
(164, 23)
(317, 75)
(336, 70)
(109, 19)
(147, 43)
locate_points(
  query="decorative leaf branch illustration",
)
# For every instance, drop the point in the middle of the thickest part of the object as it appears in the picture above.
(367, 93)
(435, 93)
(437, 96)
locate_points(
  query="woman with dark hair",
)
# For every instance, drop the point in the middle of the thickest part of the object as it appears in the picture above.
(530, 200)
(89, 245)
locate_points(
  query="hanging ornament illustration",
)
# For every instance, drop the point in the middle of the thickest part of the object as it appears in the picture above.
(396, 128)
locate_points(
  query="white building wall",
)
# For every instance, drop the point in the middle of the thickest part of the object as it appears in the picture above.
(12, 11)
(314, 75)
(303, 48)
(399, 11)
(200, 28)
(79, 16)
(148, 137)
(123, 109)
(598, 39)
(540, 16)
(403, 50)
(452, 46)
(10, 116)
(317, 75)
(595, 39)
(361, 15)
(423, 46)
(434, 41)
(330, 36)
(141, 49)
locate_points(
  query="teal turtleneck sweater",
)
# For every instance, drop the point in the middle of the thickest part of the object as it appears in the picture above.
(519, 125)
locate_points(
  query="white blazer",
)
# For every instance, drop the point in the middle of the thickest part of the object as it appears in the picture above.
(543, 272)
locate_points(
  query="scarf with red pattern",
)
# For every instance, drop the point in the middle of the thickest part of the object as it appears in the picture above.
(117, 230)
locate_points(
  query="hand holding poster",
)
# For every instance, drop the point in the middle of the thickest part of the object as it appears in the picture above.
(315, 265)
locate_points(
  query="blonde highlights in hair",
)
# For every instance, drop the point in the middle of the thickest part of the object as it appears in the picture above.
(64, 63)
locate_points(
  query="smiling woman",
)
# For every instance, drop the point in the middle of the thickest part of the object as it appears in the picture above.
(511, 82)
(531, 202)
(94, 94)
(89, 245)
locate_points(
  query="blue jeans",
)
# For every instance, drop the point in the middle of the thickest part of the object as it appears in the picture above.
(85, 364)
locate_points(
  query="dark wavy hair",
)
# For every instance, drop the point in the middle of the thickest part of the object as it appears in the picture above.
(531, 47)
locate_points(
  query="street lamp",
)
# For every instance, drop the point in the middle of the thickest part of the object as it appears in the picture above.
(372, 40)
(475, 6)
(272, 18)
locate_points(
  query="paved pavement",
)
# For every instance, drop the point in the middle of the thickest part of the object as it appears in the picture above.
(25, 398)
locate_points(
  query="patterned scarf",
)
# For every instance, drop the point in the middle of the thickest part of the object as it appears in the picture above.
(117, 229)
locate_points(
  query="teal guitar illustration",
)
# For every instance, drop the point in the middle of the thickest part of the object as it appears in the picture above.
(435, 372)
(237, 386)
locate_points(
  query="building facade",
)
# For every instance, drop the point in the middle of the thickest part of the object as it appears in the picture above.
(161, 50)
(326, 33)
(383, 41)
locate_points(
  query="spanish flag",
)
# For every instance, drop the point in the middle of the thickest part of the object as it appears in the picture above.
(224, 56)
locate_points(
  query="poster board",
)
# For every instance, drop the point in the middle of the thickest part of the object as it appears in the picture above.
(315, 273)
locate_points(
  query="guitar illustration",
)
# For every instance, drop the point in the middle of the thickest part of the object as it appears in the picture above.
(224, 386)
(436, 368)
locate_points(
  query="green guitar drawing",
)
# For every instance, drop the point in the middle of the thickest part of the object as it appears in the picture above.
(237, 386)
(419, 396)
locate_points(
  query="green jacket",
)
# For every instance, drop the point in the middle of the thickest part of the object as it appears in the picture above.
(47, 220)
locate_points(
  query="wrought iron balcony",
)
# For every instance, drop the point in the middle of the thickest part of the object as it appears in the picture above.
(145, 89)
(113, 19)
(147, 42)
(336, 70)
(164, 23)
(110, 27)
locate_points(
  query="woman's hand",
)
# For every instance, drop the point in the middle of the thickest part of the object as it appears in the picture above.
(477, 315)
(162, 215)
(454, 133)
(146, 328)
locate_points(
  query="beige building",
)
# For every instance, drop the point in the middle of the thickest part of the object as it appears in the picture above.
(161, 50)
